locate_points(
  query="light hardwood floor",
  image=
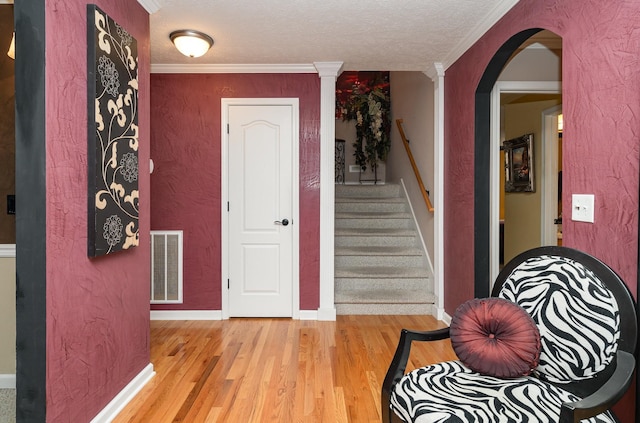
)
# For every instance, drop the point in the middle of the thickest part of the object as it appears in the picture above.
(274, 370)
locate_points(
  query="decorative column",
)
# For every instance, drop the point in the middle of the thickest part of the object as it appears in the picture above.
(328, 72)
(437, 76)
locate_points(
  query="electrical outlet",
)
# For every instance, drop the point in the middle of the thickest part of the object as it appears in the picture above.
(582, 207)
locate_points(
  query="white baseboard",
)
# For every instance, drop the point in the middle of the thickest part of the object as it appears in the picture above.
(8, 381)
(125, 396)
(419, 231)
(308, 315)
(186, 314)
(8, 250)
(445, 318)
(320, 314)
(438, 312)
(327, 314)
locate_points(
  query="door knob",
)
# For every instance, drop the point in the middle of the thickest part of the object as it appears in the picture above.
(283, 222)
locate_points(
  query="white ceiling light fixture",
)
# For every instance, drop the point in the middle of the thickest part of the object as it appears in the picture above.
(190, 42)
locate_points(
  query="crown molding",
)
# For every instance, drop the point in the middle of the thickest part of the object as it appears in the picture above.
(436, 71)
(234, 68)
(480, 29)
(151, 6)
(330, 69)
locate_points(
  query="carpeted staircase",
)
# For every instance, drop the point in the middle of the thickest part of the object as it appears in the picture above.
(380, 266)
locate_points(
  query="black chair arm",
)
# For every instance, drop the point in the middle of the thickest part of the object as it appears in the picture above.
(400, 359)
(605, 397)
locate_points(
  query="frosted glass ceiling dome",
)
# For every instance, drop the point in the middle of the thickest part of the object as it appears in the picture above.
(191, 43)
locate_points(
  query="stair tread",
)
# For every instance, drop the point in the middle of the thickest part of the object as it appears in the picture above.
(385, 309)
(377, 251)
(374, 232)
(382, 190)
(381, 272)
(386, 296)
(372, 215)
(370, 200)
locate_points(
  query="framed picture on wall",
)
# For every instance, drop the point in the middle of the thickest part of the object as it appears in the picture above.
(112, 110)
(518, 158)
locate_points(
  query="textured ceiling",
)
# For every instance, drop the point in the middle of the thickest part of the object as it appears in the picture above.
(364, 34)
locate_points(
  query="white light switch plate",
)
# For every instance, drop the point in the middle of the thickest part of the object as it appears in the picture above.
(582, 207)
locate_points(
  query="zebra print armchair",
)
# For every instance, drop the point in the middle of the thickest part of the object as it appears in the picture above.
(587, 324)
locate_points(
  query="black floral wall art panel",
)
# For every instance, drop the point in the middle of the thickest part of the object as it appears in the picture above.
(112, 80)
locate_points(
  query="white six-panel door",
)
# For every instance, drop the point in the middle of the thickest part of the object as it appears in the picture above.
(261, 218)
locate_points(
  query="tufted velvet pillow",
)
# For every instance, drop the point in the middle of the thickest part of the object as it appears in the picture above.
(496, 337)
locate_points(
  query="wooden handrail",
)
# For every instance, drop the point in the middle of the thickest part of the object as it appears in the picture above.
(425, 195)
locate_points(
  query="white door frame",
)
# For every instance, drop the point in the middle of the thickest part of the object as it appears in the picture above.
(524, 87)
(295, 200)
(550, 168)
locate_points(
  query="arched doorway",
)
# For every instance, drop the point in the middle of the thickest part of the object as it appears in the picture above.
(482, 160)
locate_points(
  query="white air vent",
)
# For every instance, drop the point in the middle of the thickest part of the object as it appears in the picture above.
(166, 267)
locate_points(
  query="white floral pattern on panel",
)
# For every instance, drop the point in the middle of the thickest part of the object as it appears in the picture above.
(124, 35)
(109, 75)
(129, 167)
(112, 230)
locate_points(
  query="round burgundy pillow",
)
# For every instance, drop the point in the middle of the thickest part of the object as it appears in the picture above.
(495, 337)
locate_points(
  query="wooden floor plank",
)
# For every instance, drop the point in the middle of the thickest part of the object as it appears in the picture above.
(274, 370)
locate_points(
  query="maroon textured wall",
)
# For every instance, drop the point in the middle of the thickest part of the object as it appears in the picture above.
(98, 310)
(601, 107)
(185, 185)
